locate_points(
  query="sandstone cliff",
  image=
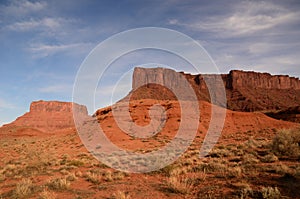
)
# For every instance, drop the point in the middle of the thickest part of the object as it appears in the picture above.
(246, 91)
(49, 116)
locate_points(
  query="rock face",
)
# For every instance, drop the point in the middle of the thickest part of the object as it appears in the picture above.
(291, 114)
(49, 116)
(245, 91)
(262, 80)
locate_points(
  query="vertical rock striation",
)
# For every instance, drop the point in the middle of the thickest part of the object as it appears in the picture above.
(49, 116)
(245, 90)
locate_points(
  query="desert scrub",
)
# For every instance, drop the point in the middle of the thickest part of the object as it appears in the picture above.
(234, 172)
(45, 194)
(2, 176)
(92, 177)
(121, 195)
(11, 170)
(71, 177)
(23, 189)
(244, 190)
(118, 175)
(210, 167)
(287, 143)
(75, 162)
(249, 159)
(220, 152)
(281, 169)
(269, 158)
(58, 184)
(179, 184)
(270, 193)
(107, 176)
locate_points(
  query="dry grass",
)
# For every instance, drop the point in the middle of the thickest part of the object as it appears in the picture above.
(286, 143)
(250, 159)
(23, 189)
(71, 177)
(59, 184)
(234, 172)
(121, 195)
(118, 175)
(269, 158)
(179, 184)
(237, 168)
(46, 194)
(270, 193)
(107, 176)
(92, 177)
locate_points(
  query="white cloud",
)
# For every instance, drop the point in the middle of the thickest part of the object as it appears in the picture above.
(44, 50)
(246, 18)
(44, 24)
(22, 7)
(173, 21)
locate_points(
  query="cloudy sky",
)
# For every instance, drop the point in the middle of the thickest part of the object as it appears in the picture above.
(43, 43)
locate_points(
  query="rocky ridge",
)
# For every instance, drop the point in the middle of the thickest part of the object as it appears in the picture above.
(49, 116)
(245, 90)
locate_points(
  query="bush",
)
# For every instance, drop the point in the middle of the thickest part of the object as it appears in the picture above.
(59, 184)
(270, 193)
(287, 143)
(47, 195)
(178, 184)
(23, 189)
(121, 195)
(92, 177)
(269, 158)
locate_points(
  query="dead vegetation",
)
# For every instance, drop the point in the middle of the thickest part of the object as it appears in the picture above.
(257, 168)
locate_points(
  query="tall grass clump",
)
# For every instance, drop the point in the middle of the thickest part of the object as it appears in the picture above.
(287, 143)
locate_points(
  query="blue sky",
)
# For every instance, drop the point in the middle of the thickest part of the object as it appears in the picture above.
(43, 43)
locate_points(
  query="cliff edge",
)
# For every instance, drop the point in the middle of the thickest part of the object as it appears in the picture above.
(49, 116)
(245, 90)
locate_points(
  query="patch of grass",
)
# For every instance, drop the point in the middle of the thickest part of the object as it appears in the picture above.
(59, 184)
(210, 167)
(179, 184)
(287, 143)
(121, 195)
(234, 172)
(77, 163)
(220, 152)
(71, 177)
(118, 175)
(107, 176)
(245, 192)
(23, 189)
(92, 177)
(2, 176)
(270, 193)
(269, 158)
(281, 169)
(249, 159)
(45, 194)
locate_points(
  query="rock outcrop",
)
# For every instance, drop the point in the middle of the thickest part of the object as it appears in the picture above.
(290, 114)
(49, 116)
(238, 79)
(245, 91)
